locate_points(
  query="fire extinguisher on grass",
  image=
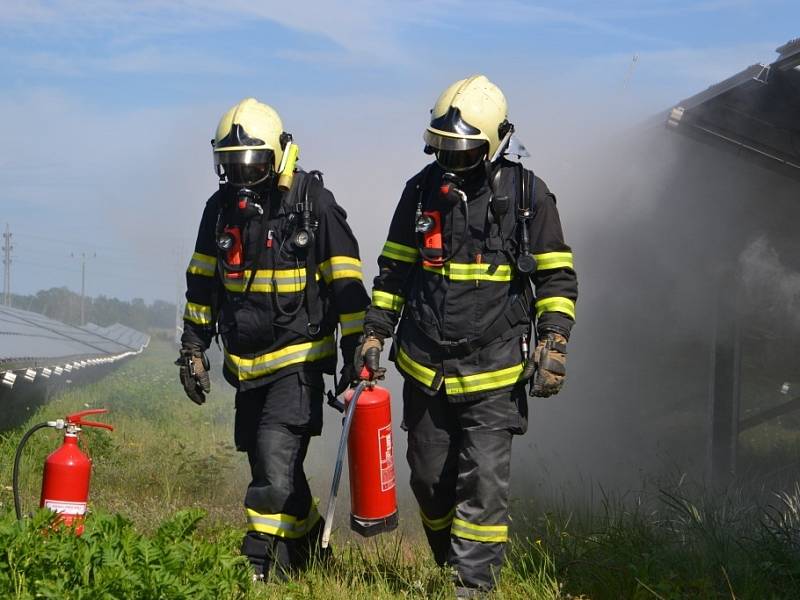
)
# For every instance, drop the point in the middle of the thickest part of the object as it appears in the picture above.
(67, 470)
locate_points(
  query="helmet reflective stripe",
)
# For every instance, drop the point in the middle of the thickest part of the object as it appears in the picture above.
(237, 137)
(466, 115)
(451, 121)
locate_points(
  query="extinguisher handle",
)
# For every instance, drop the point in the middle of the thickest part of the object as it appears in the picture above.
(95, 424)
(77, 418)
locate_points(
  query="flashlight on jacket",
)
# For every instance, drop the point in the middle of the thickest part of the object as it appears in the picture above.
(424, 223)
(302, 238)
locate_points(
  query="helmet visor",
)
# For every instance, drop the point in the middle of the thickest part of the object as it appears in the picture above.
(461, 160)
(245, 167)
(446, 142)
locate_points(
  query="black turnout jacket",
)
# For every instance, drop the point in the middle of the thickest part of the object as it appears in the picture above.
(280, 314)
(461, 324)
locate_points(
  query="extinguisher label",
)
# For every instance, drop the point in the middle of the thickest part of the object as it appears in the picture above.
(66, 508)
(387, 457)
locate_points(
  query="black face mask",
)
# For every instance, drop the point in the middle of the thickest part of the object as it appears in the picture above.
(458, 161)
(247, 175)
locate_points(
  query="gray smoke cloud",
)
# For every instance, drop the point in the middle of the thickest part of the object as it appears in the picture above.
(770, 284)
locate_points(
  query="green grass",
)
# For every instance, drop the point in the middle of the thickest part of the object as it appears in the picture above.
(166, 522)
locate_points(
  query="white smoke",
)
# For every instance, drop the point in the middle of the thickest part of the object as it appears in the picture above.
(768, 283)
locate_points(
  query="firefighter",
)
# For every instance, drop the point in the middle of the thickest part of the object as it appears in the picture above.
(474, 234)
(276, 268)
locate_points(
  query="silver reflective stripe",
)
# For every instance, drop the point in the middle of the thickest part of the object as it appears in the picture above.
(265, 280)
(197, 313)
(202, 264)
(352, 322)
(340, 267)
(288, 526)
(252, 368)
(479, 533)
(282, 525)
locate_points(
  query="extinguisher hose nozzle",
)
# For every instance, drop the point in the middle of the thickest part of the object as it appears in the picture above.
(17, 460)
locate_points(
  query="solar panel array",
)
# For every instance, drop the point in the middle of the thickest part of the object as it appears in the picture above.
(31, 346)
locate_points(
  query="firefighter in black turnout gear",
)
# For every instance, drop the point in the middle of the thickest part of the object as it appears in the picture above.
(473, 236)
(275, 271)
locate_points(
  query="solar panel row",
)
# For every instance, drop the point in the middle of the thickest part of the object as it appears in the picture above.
(33, 346)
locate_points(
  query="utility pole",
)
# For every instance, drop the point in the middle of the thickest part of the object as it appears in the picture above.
(84, 257)
(7, 248)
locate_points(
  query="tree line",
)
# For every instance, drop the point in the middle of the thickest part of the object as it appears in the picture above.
(63, 305)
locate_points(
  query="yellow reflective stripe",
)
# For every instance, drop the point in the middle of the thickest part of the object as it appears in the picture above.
(479, 533)
(440, 523)
(197, 313)
(400, 252)
(473, 272)
(554, 260)
(282, 525)
(479, 382)
(286, 281)
(352, 322)
(419, 372)
(202, 264)
(555, 304)
(387, 300)
(266, 364)
(340, 267)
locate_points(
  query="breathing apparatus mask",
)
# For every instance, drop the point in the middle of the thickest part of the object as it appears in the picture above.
(454, 154)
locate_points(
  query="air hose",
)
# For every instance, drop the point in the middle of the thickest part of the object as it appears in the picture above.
(17, 458)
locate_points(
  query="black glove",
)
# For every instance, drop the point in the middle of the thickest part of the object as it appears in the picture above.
(368, 354)
(347, 376)
(550, 357)
(193, 374)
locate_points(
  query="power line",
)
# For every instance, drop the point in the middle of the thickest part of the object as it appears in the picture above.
(72, 242)
(116, 275)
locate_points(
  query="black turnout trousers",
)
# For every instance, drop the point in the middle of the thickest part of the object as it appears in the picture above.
(460, 458)
(274, 424)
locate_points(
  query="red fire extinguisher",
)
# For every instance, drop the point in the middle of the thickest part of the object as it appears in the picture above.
(67, 470)
(370, 453)
(367, 435)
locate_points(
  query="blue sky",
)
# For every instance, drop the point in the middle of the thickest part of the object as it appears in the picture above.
(109, 106)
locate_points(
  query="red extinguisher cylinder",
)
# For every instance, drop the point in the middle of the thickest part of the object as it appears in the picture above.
(370, 452)
(65, 482)
(67, 471)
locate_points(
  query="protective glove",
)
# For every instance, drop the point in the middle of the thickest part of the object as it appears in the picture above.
(193, 374)
(347, 376)
(368, 354)
(550, 358)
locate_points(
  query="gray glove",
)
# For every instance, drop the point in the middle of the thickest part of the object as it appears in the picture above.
(193, 374)
(550, 357)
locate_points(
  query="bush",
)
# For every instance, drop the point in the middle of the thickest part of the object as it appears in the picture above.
(112, 560)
